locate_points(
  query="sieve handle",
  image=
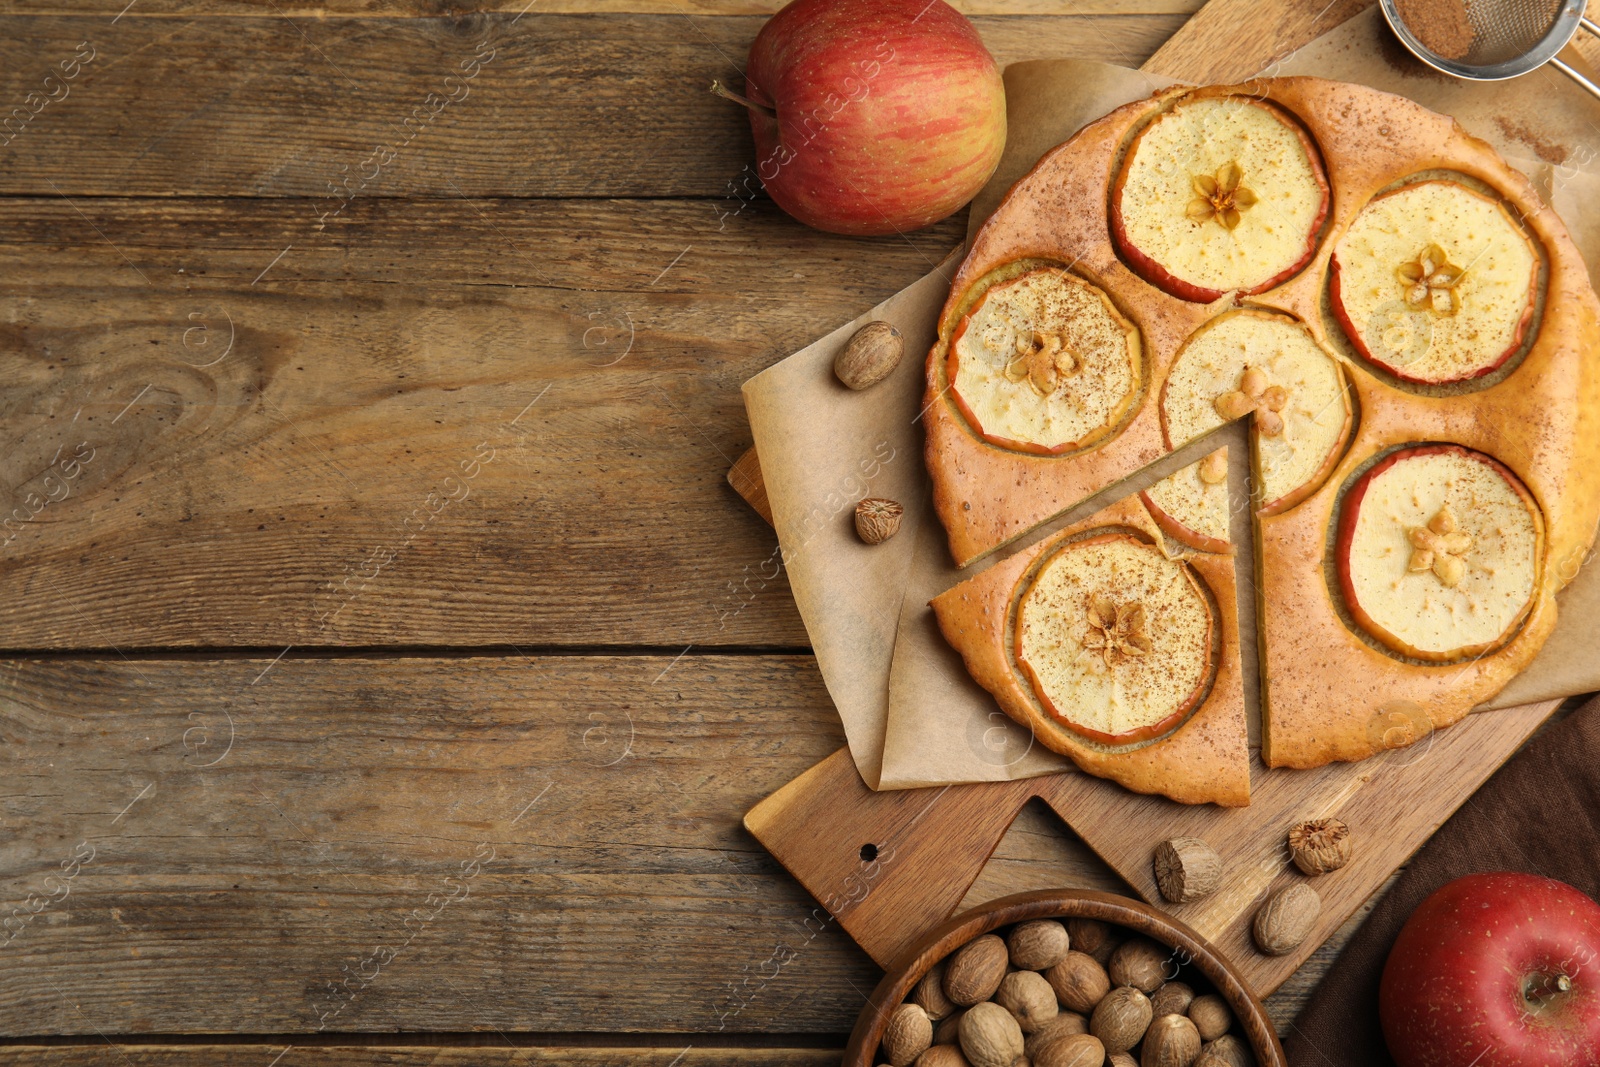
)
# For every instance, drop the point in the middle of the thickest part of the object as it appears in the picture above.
(1583, 20)
(1575, 76)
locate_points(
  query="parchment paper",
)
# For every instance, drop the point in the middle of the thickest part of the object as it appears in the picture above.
(912, 716)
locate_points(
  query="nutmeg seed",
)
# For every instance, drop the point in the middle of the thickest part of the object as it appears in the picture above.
(1187, 868)
(973, 973)
(1029, 999)
(1286, 919)
(990, 1037)
(1140, 963)
(878, 519)
(1080, 983)
(1065, 1024)
(1077, 1050)
(1210, 1016)
(1121, 1059)
(1171, 998)
(908, 1035)
(1120, 1020)
(943, 1056)
(1320, 845)
(870, 356)
(1093, 938)
(1038, 945)
(948, 1032)
(1226, 1051)
(1172, 1041)
(929, 994)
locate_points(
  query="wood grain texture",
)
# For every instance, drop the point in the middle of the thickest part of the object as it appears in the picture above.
(1232, 41)
(97, 1055)
(311, 9)
(251, 495)
(557, 105)
(745, 477)
(260, 834)
(930, 843)
(1039, 851)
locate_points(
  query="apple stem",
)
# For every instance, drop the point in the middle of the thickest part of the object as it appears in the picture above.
(1546, 986)
(728, 94)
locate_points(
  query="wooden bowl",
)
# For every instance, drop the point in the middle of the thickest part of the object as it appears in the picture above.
(1252, 1022)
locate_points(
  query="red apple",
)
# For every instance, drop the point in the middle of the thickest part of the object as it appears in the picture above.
(1496, 970)
(873, 116)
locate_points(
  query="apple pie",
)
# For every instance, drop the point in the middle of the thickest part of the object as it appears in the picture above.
(1405, 329)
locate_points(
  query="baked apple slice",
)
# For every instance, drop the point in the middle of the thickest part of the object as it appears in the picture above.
(1265, 366)
(1435, 282)
(1191, 505)
(1115, 638)
(1044, 363)
(1438, 552)
(1218, 195)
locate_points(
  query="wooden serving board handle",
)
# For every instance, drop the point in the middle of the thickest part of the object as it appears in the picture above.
(887, 864)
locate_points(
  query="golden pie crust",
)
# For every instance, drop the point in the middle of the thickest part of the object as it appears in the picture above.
(1330, 691)
(1200, 754)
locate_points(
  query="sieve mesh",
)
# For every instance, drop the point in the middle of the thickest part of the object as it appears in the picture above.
(1507, 29)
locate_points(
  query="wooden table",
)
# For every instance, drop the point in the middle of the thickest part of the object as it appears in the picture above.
(389, 664)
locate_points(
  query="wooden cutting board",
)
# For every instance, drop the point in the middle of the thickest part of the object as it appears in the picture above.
(888, 865)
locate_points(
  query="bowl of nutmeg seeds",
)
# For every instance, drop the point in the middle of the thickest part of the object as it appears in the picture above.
(1063, 978)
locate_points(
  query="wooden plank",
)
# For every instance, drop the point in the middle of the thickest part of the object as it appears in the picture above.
(295, 869)
(254, 1055)
(253, 834)
(558, 105)
(594, 350)
(311, 9)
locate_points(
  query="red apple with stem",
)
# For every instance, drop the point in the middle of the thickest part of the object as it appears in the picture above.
(1496, 970)
(872, 116)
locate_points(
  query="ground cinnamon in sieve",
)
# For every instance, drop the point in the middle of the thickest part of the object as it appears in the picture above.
(1441, 25)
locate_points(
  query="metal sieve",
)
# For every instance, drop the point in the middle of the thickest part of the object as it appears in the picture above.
(1509, 38)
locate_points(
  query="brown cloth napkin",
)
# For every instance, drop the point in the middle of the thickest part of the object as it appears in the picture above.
(1540, 814)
